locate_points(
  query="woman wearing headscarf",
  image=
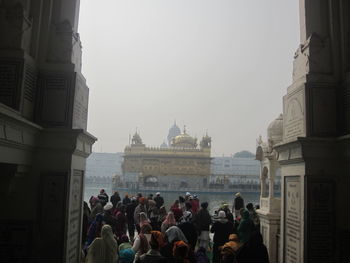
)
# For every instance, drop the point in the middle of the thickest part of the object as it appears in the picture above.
(124, 243)
(86, 222)
(253, 250)
(140, 208)
(94, 230)
(103, 249)
(175, 208)
(141, 243)
(121, 225)
(181, 252)
(96, 207)
(153, 255)
(189, 230)
(144, 219)
(168, 222)
(221, 229)
(246, 227)
(126, 253)
(162, 214)
(153, 214)
(173, 235)
(229, 250)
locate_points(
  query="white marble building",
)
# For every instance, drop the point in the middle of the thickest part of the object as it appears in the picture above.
(235, 170)
(270, 175)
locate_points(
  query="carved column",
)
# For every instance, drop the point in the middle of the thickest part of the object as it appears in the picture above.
(312, 164)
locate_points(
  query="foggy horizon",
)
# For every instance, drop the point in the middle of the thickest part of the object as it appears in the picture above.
(216, 66)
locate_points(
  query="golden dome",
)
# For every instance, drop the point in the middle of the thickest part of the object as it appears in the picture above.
(184, 140)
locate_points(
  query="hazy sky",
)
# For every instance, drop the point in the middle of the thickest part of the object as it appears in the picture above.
(216, 65)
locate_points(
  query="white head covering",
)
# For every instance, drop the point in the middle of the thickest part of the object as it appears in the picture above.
(175, 234)
(104, 249)
(108, 206)
(187, 216)
(222, 217)
(222, 214)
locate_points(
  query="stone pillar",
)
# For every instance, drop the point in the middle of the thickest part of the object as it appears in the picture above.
(61, 192)
(313, 162)
(43, 137)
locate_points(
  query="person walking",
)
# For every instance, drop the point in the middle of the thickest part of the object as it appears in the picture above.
(130, 209)
(103, 197)
(246, 227)
(202, 222)
(126, 199)
(190, 232)
(96, 208)
(140, 208)
(253, 216)
(238, 204)
(159, 200)
(221, 229)
(115, 198)
(108, 217)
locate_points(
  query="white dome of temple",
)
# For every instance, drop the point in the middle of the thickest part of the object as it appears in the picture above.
(275, 130)
(173, 132)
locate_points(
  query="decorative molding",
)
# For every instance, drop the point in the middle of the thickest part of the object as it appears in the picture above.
(313, 57)
(294, 115)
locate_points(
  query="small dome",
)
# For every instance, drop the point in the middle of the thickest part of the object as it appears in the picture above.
(275, 130)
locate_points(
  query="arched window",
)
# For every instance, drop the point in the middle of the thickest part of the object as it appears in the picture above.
(151, 181)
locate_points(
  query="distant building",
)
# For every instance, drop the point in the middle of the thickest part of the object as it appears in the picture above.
(101, 167)
(235, 174)
(182, 165)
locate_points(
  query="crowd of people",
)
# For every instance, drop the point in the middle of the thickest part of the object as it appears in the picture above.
(141, 229)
